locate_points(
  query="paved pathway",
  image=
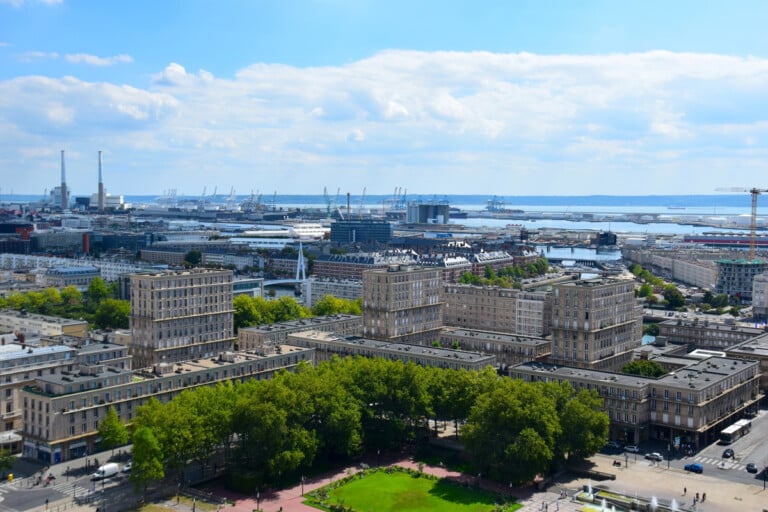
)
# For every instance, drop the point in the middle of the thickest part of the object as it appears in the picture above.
(639, 478)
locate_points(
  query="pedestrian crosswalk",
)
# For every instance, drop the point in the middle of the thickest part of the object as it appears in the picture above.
(718, 462)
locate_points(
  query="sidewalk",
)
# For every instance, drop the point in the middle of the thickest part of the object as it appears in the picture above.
(640, 479)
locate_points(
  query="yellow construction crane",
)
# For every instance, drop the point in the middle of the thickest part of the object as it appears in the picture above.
(754, 192)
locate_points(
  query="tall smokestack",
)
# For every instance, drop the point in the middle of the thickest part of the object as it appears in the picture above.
(64, 192)
(101, 188)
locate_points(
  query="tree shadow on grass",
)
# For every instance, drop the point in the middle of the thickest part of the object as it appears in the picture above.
(457, 493)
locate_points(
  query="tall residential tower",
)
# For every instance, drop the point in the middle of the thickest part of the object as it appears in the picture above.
(181, 315)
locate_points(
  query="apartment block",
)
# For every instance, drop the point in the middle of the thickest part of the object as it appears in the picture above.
(452, 267)
(80, 277)
(328, 344)
(690, 405)
(352, 265)
(494, 308)
(62, 412)
(760, 297)
(21, 366)
(263, 337)
(735, 276)
(509, 349)
(704, 334)
(31, 324)
(754, 349)
(596, 323)
(403, 304)
(315, 288)
(180, 315)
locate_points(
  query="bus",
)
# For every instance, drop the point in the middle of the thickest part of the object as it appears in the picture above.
(735, 431)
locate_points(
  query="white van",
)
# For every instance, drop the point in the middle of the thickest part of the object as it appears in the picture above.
(106, 471)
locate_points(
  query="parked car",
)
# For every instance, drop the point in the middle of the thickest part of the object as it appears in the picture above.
(694, 468)
(127, 467)
(613, 444)
(727, 453)
(752, 467)
(655, 456)
(632, 448)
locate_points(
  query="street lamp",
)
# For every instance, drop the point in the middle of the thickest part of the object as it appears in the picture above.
(258, 497)
(378, 457)
(302, 484)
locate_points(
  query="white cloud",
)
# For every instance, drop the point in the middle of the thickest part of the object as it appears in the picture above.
(19, 3)
(444, 121)
(93, 60)
(34, 56)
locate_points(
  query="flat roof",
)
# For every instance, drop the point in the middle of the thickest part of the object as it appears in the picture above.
(10, 352)
(396, 348)
(45, 318)
(756, 347)
(701, 373)
(513, 339)
(302, 322)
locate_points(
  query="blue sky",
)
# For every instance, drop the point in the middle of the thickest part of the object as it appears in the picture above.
(438, 97)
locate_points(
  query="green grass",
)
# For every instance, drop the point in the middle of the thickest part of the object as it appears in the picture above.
(379, 491)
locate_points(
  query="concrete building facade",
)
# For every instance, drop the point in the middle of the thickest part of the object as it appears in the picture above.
(596, 323)
(403, 304)
(735, 277)
(328, 344)
(260, 338)
(181, 315)
(62, 412)
(689, 406)
(705, 334)
(493, 308)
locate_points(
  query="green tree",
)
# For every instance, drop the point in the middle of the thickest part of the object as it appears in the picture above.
(331, 305)
(246, 314)
(645, 290)
(97, 292)
(147, 463)
(651, 329)
(72, 299)
(584, 425)
(673, 297)
(193, 258)
(511, 431)
(720, 301)
(113, 314)
(644, 368)
(112, 431)
(7, 459)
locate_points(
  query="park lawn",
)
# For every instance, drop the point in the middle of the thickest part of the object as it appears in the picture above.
(397, 491)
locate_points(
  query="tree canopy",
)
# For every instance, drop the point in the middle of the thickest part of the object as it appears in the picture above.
(644, 368)
(332, 412)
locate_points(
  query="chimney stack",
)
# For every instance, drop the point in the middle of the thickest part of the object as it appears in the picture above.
(101, 188)
(64, 191)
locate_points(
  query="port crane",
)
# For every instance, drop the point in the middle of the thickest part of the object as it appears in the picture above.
(754, 192)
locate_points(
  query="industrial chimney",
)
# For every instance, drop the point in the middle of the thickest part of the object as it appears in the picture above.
(64, 192)
(101, 188)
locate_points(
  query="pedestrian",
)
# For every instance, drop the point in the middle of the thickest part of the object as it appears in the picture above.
(704, 497)
(697, 496)
(685, 490)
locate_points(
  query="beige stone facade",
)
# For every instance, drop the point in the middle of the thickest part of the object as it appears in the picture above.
(262, 337)
(41, 325)
(498, 309)
(691, 405)
(595, 323)
(62, 412)
(181, 315)
(403, 304)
